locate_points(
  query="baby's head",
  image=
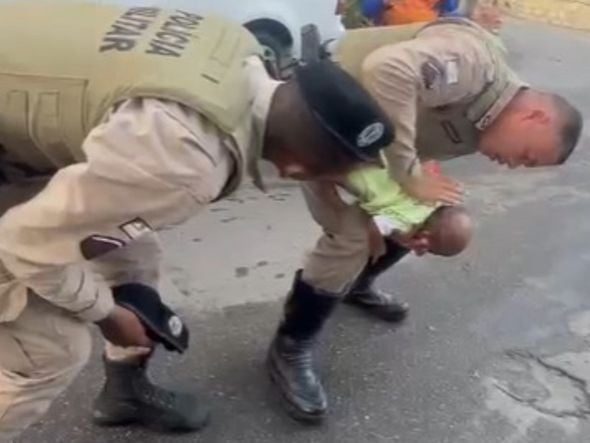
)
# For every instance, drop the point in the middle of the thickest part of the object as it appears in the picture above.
(449, 230)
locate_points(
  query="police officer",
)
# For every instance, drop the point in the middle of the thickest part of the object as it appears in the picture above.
(448, 91)
(140, 118)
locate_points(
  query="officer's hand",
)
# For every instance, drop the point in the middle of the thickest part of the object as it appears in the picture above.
(123, 328)
(434, 189)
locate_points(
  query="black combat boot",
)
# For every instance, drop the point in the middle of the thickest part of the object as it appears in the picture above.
(129, 396)
(290, 359)
(364, 295)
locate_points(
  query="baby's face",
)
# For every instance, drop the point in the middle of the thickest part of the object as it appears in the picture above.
(435, 242)
(429, 240)
(446, 232)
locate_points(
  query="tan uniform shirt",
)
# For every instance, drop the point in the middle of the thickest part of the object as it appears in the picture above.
(152, 163)
(417, 81)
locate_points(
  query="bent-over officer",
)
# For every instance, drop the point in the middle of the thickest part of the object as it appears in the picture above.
(449, 93)
(139, 117)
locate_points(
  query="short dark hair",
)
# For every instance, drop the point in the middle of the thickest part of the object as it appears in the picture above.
(572, 123)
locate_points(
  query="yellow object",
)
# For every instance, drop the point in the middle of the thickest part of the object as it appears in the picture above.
(379, 195)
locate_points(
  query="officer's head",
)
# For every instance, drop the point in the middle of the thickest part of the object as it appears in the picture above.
(535, 129)
(322, 124)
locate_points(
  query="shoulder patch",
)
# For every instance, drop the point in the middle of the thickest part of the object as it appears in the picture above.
(452, 72)
(96, 245)
(431, 72)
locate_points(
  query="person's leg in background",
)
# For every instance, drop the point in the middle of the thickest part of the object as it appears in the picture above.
(128, 394)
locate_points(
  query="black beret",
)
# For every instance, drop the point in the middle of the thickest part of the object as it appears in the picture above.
(345, 109)
(161, 323)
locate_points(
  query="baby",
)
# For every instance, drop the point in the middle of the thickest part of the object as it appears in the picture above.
(443, 230)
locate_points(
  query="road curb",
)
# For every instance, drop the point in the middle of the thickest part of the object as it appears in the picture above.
(573, 14)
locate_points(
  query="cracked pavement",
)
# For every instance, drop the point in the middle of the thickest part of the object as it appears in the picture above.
(495, 351)
(548, 388)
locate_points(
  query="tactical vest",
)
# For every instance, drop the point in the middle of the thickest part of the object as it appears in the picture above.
(358, 44)
(64, 66)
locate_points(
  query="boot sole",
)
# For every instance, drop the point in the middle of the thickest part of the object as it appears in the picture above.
(132, 419)
(122, 418)
(292, 410)
(376, 311)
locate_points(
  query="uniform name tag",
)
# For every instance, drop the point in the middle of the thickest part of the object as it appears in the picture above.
(135, 228)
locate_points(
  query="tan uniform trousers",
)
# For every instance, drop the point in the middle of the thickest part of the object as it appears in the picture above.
(342, 252)
(45, 346)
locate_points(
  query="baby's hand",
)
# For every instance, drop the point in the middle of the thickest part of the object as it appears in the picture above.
(417, 240)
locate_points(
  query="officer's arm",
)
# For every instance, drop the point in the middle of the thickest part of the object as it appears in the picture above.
(425, 72)
(392, 78)
(142, 168)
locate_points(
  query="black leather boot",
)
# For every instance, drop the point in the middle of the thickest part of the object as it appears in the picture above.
(364, 295)
(290, 359)
(129, 396)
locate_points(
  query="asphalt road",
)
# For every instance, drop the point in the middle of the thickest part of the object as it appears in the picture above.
(496, 349)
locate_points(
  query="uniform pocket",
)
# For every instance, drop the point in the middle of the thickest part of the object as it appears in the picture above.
(13, 296)
(13, 357)
(41, 123)
(43, 341)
